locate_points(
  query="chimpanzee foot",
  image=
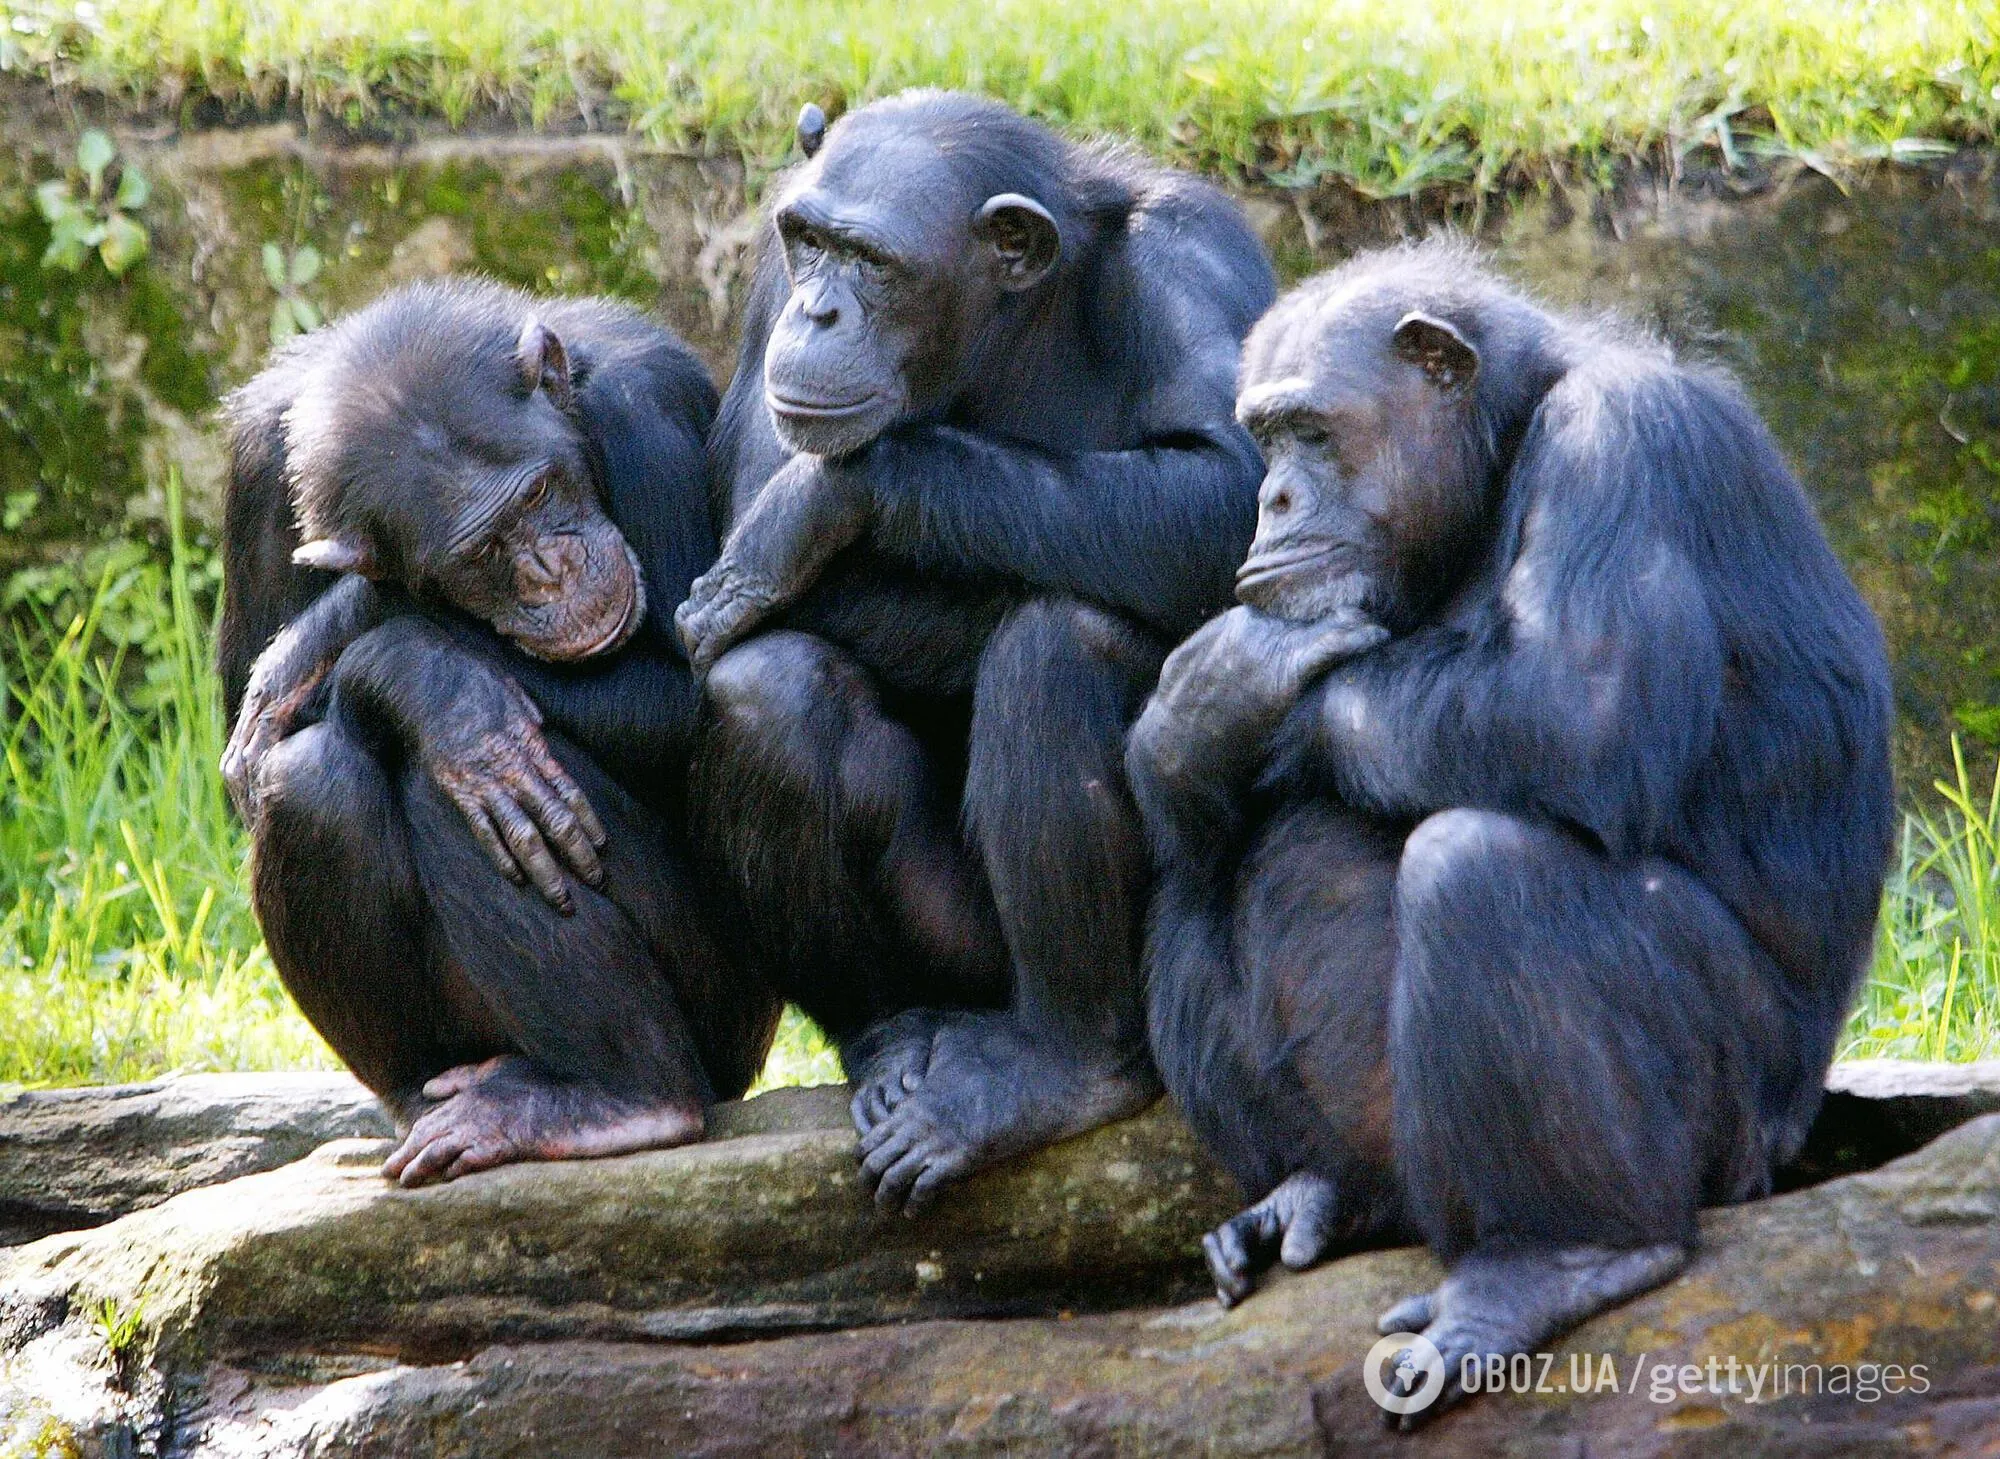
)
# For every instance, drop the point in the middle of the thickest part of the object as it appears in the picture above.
(886, 1063)
(1294, 1224)
(988, 1093)
(1503, 1303)
(506, 1110)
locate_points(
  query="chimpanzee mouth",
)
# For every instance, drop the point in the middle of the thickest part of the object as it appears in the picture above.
(624, 628)
(612, 638)
(1271, 567)
(819, 409)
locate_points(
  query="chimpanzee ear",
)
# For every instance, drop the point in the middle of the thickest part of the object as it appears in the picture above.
(544, 364)
(336, 554)
(812, 129)
(1023, 237)
(1436, 347)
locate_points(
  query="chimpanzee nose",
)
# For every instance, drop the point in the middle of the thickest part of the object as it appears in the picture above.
(541, 571)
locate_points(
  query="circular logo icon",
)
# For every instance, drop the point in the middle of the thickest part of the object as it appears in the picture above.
(1412, 1364)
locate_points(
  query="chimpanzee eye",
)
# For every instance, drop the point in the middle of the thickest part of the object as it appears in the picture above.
(1313, 438)
(540, 493)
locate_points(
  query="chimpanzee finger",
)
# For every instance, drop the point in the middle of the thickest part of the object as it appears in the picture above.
(702, 640)
(892, 1186)
(530, 850)
(1229, 1263)
(486, 834)
(559, 827)
(478, 1158)
(431, 1162)
(936, 1178)
(1412, 1314)
(571, 793)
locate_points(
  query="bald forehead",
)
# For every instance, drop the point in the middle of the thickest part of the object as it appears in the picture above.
(889, 180)
(1318, 340)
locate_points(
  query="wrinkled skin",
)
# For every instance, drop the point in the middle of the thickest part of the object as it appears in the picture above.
(799, 522)
(1231, 683)
(503, 1111)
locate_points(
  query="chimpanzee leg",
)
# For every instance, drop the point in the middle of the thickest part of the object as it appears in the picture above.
(1047, 805)
(825, 819)
(533, 1035)
(335, 886)
(1576, 1046)
(1306, 1103)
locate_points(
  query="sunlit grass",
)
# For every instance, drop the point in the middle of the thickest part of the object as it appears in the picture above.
(1389, 97)
(1934, 992)
(127, 945)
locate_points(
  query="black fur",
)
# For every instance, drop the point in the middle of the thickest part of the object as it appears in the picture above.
(1067, 497)
(1537, 928)
(390, 927)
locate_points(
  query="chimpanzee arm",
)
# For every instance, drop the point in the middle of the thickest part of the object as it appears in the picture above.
(473, 730)
(1157, 531)
(263, 589)
(286, 675)
(1202, 736)
(1590, 691)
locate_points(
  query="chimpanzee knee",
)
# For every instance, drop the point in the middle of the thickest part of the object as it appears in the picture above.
(320, 783)
(1554, 1065)
(1456, 857)
(762, 690)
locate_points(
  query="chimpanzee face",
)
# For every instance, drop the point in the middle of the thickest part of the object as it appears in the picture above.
(1364, 416)
(469, 486)
(894, 271)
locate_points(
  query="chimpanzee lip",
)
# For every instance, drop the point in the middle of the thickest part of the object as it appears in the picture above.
(621, 630)
(1278, 564)
(819, 409)
(614, 637)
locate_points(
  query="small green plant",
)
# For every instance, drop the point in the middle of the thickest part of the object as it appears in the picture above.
(100, 219)
(120, 1327)
(292, 312)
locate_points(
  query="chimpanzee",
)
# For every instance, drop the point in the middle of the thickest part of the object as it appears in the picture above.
(496, 498)
(982, 467)
(1522, 834)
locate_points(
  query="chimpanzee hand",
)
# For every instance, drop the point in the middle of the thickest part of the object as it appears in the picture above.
(284, 677)
(485, 750)
(803, 516)
(1225, 689)
(477, 734)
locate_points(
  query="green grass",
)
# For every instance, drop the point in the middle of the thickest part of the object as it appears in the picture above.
(127, 945)
(1389, 97)
(1934, 992)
